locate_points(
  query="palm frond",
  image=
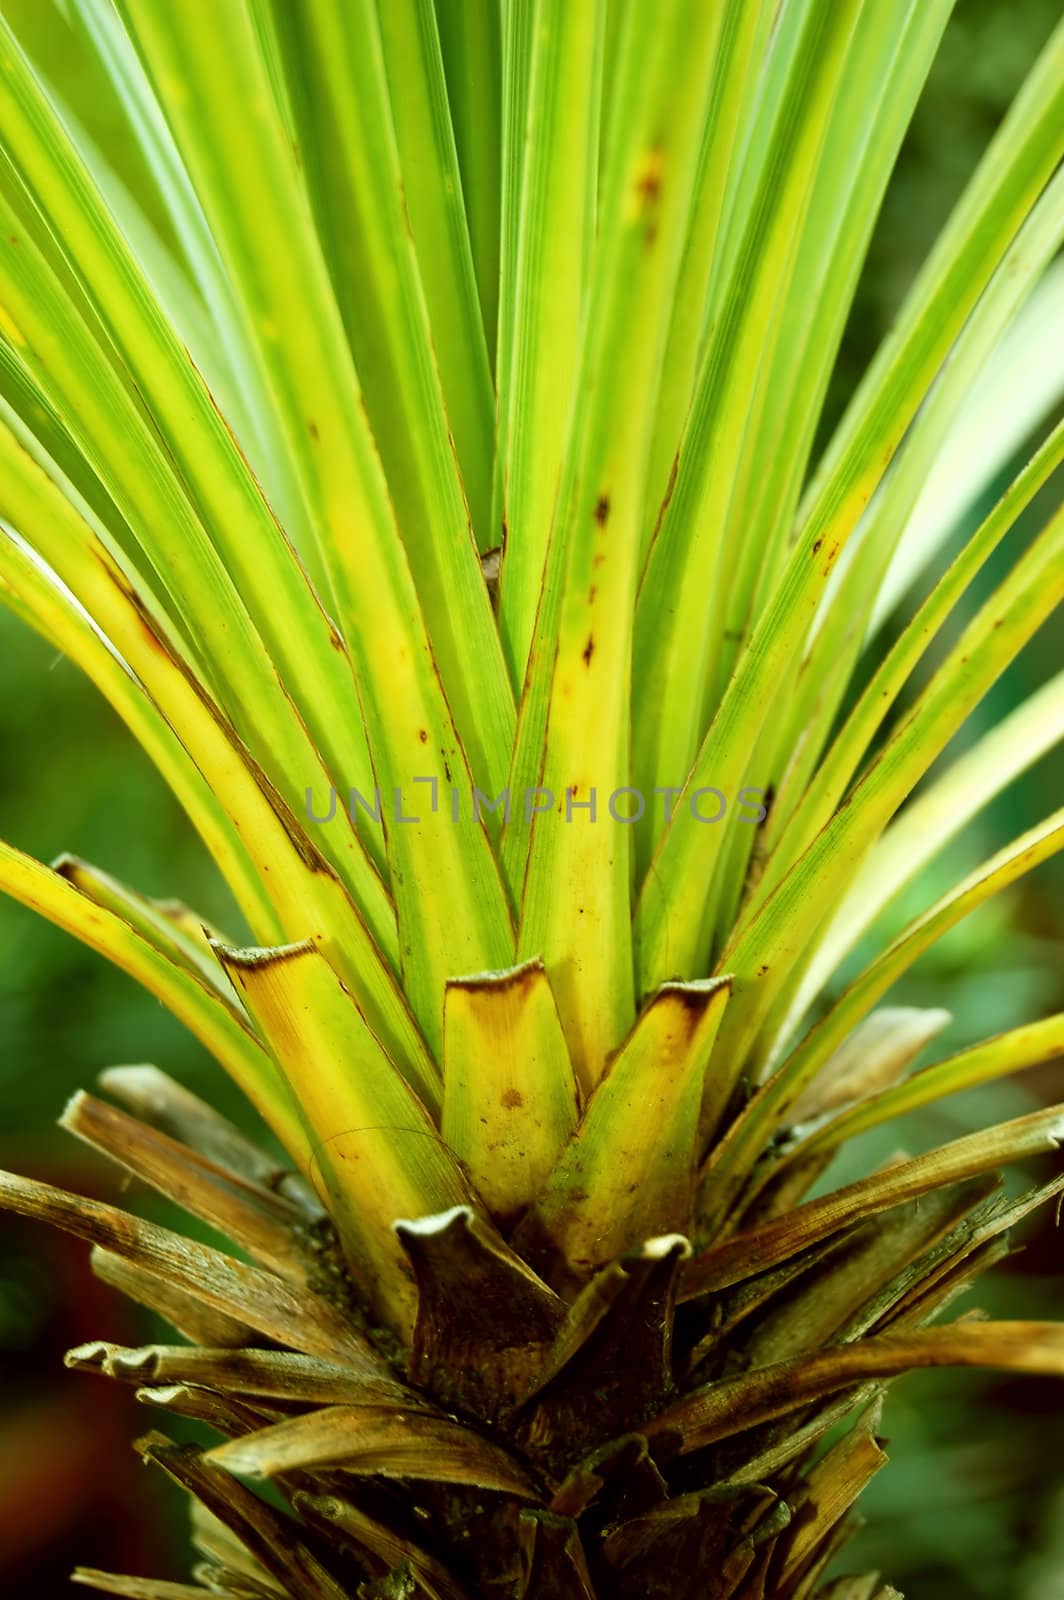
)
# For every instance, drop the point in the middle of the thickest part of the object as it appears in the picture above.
(408, 422)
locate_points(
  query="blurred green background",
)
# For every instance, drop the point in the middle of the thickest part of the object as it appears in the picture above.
(970, 1506)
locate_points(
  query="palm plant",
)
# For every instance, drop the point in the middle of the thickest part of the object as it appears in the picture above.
(406, 419)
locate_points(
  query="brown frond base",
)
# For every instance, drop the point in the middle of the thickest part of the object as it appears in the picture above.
(648, 1440)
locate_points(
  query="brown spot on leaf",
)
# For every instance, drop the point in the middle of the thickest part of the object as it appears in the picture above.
(648, 179)
(312, 429)
(589, 650)
(602, 510)
(512, 1099)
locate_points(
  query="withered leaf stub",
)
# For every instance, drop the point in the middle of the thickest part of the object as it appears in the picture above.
(820, 1504)
(619, 1480)
(162, 1103)
(484, 1319)
(653, 1557)
(757, 1455)
(390, 1440)
(286, 1375)
(271, 1537)
(721, 1409)
(224, 1551)
(554, 1566)
(611, 1364)
(757, 1249)
(341, 1519)
(962, 1253)
(256, 1219)
(833, 1293)
(183, 1310)
(222, 1412)
(237, 1290)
